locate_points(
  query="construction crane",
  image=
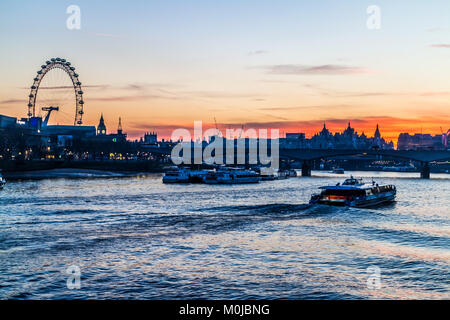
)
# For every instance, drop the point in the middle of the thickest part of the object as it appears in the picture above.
(446, 140)
(49, 111)
(215, 122)
(219, 134)
(242, 131)
(445, 137)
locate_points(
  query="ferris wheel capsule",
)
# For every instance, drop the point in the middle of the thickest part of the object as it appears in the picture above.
(53, 59)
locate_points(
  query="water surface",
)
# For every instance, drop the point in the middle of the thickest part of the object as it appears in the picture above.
(136, 238)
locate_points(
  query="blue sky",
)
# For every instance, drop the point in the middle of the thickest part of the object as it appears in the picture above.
(172, 62)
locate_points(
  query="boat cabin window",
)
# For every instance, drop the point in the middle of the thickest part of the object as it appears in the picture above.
(382, 189)
(334, 192)
(352, 182)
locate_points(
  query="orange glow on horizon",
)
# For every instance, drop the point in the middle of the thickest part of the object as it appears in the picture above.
(389, 128)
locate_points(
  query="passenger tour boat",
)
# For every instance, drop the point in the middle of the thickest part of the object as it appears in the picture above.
(231, 176)
(2, 181)
(184, 175)
(355, 193)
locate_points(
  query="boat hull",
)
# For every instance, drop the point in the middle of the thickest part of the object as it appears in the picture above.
(177, 180)
(363, 202)
(268, 178)
(233, 181)
(184, 176)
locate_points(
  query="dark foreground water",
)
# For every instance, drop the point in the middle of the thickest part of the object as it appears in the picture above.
(136, 238)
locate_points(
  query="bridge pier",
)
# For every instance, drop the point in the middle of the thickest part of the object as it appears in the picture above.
(306, 169)
(425, 170)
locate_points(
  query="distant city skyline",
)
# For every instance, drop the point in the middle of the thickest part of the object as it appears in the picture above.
(291, 65)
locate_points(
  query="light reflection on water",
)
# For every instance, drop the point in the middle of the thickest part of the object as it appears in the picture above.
(137, 238)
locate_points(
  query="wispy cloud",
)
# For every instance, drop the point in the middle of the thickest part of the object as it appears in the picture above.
(138, 92)
(107, 35)
(132, 98)
(293, 108)
(13, 101)
(348, 94)
(146, 91)
(345, 94)
(441, 45)
(223, 94)
(366, 94)
(326, 69)
(257, 52)
(436, 29)
(151, 86)
(436, 93)
(71, 87)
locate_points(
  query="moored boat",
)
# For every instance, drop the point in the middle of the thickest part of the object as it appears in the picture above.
(184, 175)
(291, 173)
(355, 193)
(231, 176)
(268, 174)
(282, 174)
(2, 181)
(176, 176)
(400, 169)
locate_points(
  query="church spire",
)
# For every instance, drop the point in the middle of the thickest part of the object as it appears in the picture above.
(119, 127)
(377, 132)
(324, 131)
(101, 128)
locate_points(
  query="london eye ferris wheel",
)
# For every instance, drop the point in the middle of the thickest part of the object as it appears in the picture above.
(56, 87)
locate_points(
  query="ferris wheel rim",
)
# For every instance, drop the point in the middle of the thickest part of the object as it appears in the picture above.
(63, 64)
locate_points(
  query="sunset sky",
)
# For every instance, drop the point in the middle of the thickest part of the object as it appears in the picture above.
(291, 65)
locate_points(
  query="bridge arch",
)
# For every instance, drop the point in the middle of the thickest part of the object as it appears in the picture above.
(317, 154)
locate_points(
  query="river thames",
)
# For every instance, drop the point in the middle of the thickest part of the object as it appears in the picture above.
(136, 238)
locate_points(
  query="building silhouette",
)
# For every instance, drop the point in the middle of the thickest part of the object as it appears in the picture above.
(101, 128)
(113, 137)
(419, 141)
(347, 139)
(150, 138)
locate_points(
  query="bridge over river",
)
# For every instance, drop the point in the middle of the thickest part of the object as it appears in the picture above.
(307, 156)
(422, 156)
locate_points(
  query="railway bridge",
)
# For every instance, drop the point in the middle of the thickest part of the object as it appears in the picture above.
(424, 157)
(307, 156)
